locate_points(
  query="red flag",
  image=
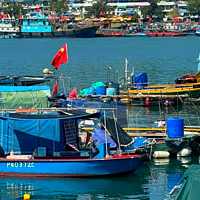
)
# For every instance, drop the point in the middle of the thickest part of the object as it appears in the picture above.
(73, 93)
(61, 57)
(55, 88)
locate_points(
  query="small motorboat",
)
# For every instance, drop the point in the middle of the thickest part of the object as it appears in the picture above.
(140, 34)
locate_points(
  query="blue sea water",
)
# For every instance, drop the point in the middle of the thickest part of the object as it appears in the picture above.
(164, 59)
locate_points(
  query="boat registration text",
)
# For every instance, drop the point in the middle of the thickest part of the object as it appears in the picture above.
(21, 164)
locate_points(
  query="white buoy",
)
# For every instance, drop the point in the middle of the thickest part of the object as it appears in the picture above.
(161, 154)
(46, 71)
(184, 152)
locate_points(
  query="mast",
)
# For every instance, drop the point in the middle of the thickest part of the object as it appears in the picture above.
(198, 69)
(126, 73)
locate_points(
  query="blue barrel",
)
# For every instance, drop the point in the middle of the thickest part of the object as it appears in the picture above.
(101, 90)
(175, 127)
(91, 91)
(114, 85)
(111, 91)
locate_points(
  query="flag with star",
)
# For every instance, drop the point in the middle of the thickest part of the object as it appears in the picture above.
(60, 57)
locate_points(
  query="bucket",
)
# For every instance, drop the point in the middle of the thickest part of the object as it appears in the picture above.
(91, 91)
(101, 90)
(114, 85)
(175, 127)
(111, 91)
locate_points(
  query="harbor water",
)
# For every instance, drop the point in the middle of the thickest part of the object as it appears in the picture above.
(164, 60)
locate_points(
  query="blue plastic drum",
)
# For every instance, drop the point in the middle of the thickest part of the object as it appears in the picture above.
(91, 91)
(175, 127)
(111, 91)
(101, 90)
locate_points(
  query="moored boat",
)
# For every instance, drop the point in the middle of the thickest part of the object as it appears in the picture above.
(103, 32)
(57, 155)
(8, 26)
(137, 34)
(165, 34)
(69, 166)
(41, 27)
(186, 86)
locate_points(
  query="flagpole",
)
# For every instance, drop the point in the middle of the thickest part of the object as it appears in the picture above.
(68, 69)
(63, 84)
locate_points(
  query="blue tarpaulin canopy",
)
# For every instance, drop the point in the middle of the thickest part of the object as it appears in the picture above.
(141, 80)
(99, 137)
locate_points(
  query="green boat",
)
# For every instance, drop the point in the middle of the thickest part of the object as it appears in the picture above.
(171, 145)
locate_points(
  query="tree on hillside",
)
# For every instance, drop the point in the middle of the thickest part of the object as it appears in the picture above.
(152, 10)
(99, 8)
(59, 6)
(13, 10)
(135, 17)
(194, 6)
(174, 13)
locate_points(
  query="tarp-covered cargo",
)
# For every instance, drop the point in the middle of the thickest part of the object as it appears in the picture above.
(15, 97)
(191, 184)
(141, 80)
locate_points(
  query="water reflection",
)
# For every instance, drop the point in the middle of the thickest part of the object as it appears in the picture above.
(116, 187)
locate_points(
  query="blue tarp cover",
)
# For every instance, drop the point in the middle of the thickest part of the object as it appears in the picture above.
(141, 80)
(99, 136)
(22, 88)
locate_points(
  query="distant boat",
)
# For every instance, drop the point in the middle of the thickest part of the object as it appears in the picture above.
(137, 35)
(8, 26)
(165, 34)
(41, 27)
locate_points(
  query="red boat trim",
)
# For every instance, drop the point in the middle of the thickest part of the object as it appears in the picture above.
(118, 157)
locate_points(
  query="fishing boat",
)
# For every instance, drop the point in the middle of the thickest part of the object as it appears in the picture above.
(165, 34)
(110, 32)
(141, 34)
(39, 26)
(139, 88)
(56, 150)
(172, 143)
